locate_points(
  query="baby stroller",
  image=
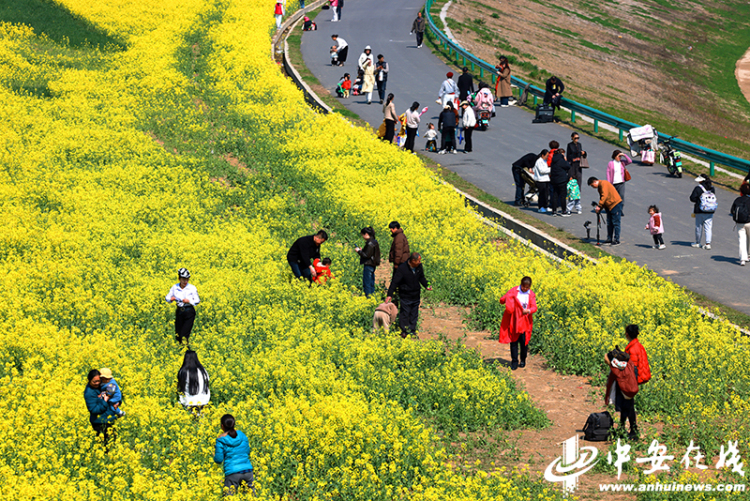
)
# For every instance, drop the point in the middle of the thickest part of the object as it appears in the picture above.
(532, 195)
(644, 141)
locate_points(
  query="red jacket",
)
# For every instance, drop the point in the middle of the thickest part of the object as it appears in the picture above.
(625, 379)
(514, 321)
(639, 358)
(323, 272)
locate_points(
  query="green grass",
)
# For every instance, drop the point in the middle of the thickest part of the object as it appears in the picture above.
(57, 23)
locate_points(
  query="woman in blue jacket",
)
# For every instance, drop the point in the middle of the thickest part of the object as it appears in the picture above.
(101, 414)
(233, 450)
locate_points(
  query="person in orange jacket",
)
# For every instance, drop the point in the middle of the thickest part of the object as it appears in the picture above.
(638, 355)
(322, 270)
(518, 320)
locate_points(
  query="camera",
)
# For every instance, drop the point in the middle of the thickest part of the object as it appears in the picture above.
(594, 204)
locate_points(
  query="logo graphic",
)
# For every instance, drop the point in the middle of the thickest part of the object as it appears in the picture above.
(574, 462)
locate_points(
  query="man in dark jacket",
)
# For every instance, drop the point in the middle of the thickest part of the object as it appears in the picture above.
(525, 162)
(418, 27)
(447, 126)
(575, 153)
(465, 84)
(303, 251)
(553, 91)
(369, 257)
(399, 252)
(408, 280)
(558, 178)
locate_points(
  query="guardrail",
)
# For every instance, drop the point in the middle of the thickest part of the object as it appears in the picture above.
(462, 57)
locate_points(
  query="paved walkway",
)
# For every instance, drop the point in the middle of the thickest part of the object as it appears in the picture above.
(416, 75)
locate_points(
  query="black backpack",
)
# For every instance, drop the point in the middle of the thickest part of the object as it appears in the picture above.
(597, 427)
(741, 213)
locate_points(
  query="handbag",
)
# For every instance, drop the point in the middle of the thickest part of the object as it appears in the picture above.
(627, 174)
(584, 163)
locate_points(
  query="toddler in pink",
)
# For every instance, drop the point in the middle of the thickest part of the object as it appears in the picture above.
(656, 227)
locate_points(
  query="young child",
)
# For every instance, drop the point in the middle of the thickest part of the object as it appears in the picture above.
(656, 227)
(431, 136)
(334, 56)
(357, 85)
(518, 320)
(112, 389)
(322, 269)
(574, 196)
(622, 387)
(385, 315)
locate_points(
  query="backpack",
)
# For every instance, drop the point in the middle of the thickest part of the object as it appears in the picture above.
(597, 426)
(741, 214)
(708, 201)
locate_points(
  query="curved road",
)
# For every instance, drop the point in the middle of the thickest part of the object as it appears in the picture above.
(416, 75)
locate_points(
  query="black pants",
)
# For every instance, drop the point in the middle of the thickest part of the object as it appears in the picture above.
(183, 322)
(411, 134)
(448, 137)
(408, 316)
(543, 192)
(559, 192)
(467, 137)
(514, 348)
(658, 239)
(104, 429)
(381, 89)
(390, 127)
(420, 36)
(627, 409)
(520, 185)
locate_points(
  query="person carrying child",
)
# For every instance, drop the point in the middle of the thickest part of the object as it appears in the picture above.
(110, 387)
(518, 320)
(622, 387)
(431, 137)
(656, 227)
(322, 270)
(574, 195)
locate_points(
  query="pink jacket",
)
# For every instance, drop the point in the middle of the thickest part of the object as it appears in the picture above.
(656, 224)
(611, 168)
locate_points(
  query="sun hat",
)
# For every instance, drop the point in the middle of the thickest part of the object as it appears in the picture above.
(700, 179)
(464, 103)
(367, 47)
(105, 372)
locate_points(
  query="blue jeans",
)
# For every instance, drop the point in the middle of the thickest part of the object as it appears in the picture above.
(300, 272)
(504, 101)
(613, 222)
(368, 280)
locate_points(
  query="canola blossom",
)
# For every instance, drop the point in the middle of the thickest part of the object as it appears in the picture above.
(187, 147)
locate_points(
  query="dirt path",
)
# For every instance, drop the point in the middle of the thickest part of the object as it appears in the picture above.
(567, 400)
(742, 73)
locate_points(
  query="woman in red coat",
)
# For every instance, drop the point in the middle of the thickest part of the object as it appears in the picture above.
(518, 320)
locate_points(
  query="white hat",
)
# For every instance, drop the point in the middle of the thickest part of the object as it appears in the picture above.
(700, 179)
(367, 47)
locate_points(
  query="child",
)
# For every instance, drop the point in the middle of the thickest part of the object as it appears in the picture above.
(309, 25)
(385, 315)
(431, 136)
(622, 387)
(518, 321)
(334, 56)
(342, 88)
(322, 270)
(357, 85)
(574, 196)
(656, 227)
(112, 389)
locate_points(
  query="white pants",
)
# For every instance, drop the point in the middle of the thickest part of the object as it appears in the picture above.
(449, 98)
(703, 225)
(335, 13)
(369, 97)
(278, 21)
(743, 231)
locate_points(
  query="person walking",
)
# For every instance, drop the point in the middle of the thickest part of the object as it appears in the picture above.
(408, 280)
(448, 90)
(339, 8)
(369, 258)
(705, 204)
(541, 179)
(381, 76)
(559, 168)
(368, 84)
(343, 49)
(526, 163)
(390, 117)
(418, 27)
(186, 296)
(412, 126)
(503, 89)
(617, 174)
(741, 215)
(399, 252)
(366, 56)
(468, 121)
(518, 321)
(447, 125)
(101, 414)
(575, 155)
(465, 84)
(279, 11)
(334, 10)
(611, 203)
(655, 226)
(622, 387)
(302, 253)
(232, 451)
(192, 383)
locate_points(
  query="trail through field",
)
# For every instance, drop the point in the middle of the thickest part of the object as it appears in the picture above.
(742, 72)
(567, 400)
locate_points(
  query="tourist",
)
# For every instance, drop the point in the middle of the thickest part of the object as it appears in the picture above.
(232, 451)
(412, 126)
(468, 121)
(369, 258)
(611, 203)
(101, 415)
(622, 387)
(399, 252)
(617, 174)
(541, 180)
(418, 27)
(525, 163)
(302, 252)
(408, 281)
(343, 49)
(192, 382)
(704, 198)
(518, 321)
(741, 214)
(186, 296)
(656, 227)
(503, 89)
(381, 77)
(576, 155)
(465, 84)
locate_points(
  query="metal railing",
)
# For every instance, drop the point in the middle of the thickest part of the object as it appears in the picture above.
(462, 57)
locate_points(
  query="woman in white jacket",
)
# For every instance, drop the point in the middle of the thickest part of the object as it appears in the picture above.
(468, 121)
(541, 179)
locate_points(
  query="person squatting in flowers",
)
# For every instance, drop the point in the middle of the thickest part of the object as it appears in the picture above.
(232, 451)
(302, 252)
(186, 296)
(518, 320)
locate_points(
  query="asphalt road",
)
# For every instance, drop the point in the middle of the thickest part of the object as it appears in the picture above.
(416, 75)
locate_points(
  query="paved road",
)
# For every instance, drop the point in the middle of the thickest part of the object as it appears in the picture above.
(416, 75)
